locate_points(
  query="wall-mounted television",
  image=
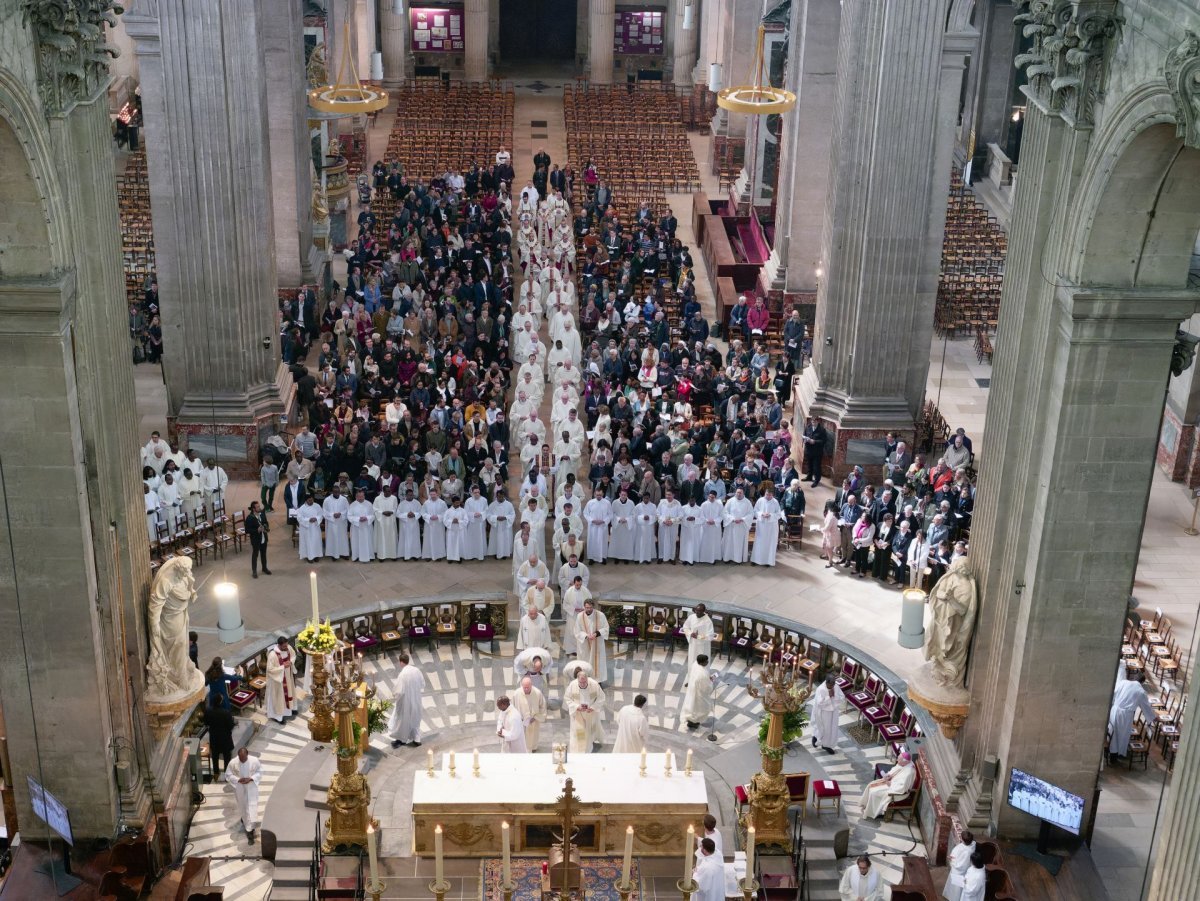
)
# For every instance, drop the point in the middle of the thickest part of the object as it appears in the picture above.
(1039, 798)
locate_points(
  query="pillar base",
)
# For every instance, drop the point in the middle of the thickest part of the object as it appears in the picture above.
(949, 707)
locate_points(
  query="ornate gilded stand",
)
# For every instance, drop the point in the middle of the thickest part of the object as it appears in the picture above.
(320, 726)
(349, 792)
(781, 692)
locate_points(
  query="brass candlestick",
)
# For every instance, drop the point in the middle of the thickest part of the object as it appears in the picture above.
(349, 795)
(439, 889)
(320, 726)
(453, 772)
(374, 889)
(781, 692)
(507, 889)
(687, 889)
(624, 889)
(749, 887)
(642, 770)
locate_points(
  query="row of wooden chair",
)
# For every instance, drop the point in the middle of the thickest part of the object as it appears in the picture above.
(137, 226)
(197, 536)
(972, 272)
(440, 128)
(1150, 648)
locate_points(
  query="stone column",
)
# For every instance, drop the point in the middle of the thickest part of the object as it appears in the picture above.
(397, 60)
(805, 156)
(1175, 871)
(364, 26)
(204, 97)
(884, 221)
(602, 24)
(685, 41)
(476, 39)
(296, 258)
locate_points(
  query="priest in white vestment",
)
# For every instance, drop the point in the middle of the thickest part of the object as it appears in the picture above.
(433, 514)
(309, 518)
(523, 547)
(621, 540)
(827, 703)
(152, 507)
(633, 728)
(528, 574)
(573, 601)
(500, 516)
(669, 514)
(597, 514)
(975, 881)
(894, 786)
(584, 701)
(531, 704)
(510, 728)
(281, 680)
(362, 529)
(404, 724)
(244, 773)
(959, 863)
(1128, 699)
(591, 632)
(698, 629)
(712, 515)
(336, 510)
(767, 517)
(385, 524)
(691, 529)
(644, 532)
(408, 515)
(861, 882)
(456, 530)
(698, 699)
(534, 631)
(709, 874)
(539, 595)
(736, 537)
(475, 540)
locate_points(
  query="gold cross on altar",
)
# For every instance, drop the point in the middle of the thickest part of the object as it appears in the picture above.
(566, 871)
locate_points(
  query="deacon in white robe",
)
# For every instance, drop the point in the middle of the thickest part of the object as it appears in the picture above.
(536, 517)
(691, 529)
(633, 728)
(584, 701)
(456, 530)
(362, 529)
(475, 540)
(598, 514)
(573, 601)
(621, 540)
(500, 515)
(709, 874)
(827, 703)
(281, 681)
(974, 883)
(591, 633)
(767, 516)
(1128, 699)
(959, 863)
(244, 773)
(337, 525)
(861, 882)
(171, 503)
(152, 506)
(433, 514)
(698, 699)
(534, 631)
(309, 518)
(531, 704)
(523, 547)
(408, 515)
(644, 538)
(736, 537)
(670, 515)
(385, 524)
(894, 786)
(510, 728)
(404, 724)
(712, 515)
(699, 631)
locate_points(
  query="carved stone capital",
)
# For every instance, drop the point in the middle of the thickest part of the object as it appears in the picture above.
(1065, 65)
(72, 56)
(1183, 81)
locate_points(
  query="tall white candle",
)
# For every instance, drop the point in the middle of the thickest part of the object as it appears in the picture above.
(451, 760)
(437, 854)
(504, 831)
(372, 856)
(429, 757)
(627, 866)
(643, 758)
(750, 853)
(312, 584)
(475, 758)
(688, 764)
(689, 853)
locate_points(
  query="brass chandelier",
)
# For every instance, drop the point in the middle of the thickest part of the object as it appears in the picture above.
(756, 99)
(347, 98)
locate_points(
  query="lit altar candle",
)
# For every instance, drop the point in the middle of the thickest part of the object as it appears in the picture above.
(504, 832)
(437, 855)
(373, 857)
(643, 758)
(451, 760)
(689, 853)
(312, 584)
(430, 759)
(750, 854)
(688, 764)
(475, 759)
(627, 866)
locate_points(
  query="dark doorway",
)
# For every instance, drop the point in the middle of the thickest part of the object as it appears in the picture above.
(537, 30)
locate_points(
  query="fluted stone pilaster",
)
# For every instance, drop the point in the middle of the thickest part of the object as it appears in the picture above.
(685, 42)
(476, 39)
(601, 27)
(394, 37)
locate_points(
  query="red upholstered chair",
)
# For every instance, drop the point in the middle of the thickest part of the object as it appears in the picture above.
(658, 623)
(242, 697)
(891, 733)
(884, 712)
(905, 805)
(862, 698)
(797, 786)
(741, 796)
(419, 627)
(365, 640)
(481, 628)
(826, 791)
(848, 676)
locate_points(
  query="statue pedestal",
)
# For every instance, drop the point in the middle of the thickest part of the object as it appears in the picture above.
(164, 711)
(949, 707)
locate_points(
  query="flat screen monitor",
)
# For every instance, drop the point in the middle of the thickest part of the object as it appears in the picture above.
(1039, 798)
(50, 810)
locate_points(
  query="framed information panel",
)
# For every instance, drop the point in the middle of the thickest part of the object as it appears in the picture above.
(436, 29)
(638, 31)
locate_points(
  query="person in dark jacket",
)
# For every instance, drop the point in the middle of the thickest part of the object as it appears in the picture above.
(220, 725)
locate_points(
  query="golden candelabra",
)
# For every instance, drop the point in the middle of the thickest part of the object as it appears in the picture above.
(749, 887)
(782, 692)
(349, 791)
(320, 726)
(687, 889)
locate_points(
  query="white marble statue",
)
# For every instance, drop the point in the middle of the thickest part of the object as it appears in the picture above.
(170, 672)
(952, 604)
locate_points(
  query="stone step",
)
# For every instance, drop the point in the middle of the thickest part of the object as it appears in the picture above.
(317, 800)
(293, 856)
(289, 893)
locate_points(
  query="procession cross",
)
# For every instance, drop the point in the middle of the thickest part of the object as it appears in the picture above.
(568, 808)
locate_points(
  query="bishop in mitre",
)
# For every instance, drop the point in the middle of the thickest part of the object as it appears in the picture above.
(584, 700)
(895, 785)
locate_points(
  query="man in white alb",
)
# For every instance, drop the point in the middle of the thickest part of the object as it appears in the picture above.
(861, 882)
(534, 631)
(531, 704)
(894, 786)
(281, 680)
(404, 725)
(699, 632)
(309, 517)
(510, 728)
(709, 874)
(540, 595)
(827, 703)
(337, 524)
(385, 523)
(244, 773)
(633, 728)
(573, 601)
(591, 632)
(362, 528)
(584, 701)
(698, 699)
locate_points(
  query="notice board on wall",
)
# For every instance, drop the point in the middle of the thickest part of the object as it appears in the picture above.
(436, 29)
(638, 31)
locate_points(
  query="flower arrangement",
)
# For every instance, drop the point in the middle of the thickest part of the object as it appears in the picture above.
(317, 640)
